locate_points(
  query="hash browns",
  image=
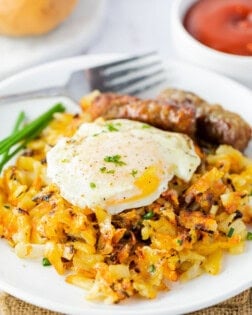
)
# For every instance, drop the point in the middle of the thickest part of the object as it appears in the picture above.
(139, 251)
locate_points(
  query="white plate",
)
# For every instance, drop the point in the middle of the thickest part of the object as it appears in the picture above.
(70, 38)
(41, 286)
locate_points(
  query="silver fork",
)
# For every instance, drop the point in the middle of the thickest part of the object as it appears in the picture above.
(131, 75)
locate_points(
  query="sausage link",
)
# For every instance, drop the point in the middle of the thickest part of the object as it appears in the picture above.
(213, 123)
(156, 113)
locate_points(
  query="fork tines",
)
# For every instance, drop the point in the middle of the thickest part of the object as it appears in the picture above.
(130, 75)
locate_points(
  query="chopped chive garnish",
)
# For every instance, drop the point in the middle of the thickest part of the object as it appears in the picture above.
(179, 241)
(230, 232)
(152, 268)
(64, 160)
(134, 172)
(106, 171)
(249, 236)
(19, 138)
(6, 207)
(111, 127)
(46, 262)
(92, 185)
(19, 121)
(30, 128)
(148, 215)
(145, 126)
(17, 125)
(116, 159)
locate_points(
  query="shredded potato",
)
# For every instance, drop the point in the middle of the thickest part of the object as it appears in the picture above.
(139, 251)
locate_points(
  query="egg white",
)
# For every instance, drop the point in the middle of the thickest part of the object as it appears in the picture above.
(119, 164)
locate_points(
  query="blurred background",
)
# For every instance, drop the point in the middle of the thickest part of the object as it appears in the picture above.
(135, 26)
(94, 27)
(34, 32)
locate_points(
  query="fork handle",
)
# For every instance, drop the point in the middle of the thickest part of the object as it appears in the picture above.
(42, 93)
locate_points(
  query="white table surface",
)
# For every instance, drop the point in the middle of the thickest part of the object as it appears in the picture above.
(135, 26)
(71, 37)
(128, 26)
(132, 26)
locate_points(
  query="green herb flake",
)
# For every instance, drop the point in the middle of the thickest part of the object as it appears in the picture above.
(148, 215)
(146, 126)
(134, 173)
(230, 232)
(103, 169)
(249, 236)
(179, 241)
(64, 161)
(6, 207)
(46, 262)
(92, 185)
(116, 159)
(106, 171)
(111, 127)
(152, 268)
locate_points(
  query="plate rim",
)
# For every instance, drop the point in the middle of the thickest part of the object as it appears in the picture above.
(109, 56)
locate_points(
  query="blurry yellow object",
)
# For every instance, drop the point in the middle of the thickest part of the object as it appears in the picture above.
(32, 17)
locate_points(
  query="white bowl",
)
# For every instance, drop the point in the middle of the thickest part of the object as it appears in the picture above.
(190, 49)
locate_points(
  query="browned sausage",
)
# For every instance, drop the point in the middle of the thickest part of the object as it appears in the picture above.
(156, 113)
(213, 123)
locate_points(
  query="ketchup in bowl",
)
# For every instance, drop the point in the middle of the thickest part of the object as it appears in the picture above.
(224, 25)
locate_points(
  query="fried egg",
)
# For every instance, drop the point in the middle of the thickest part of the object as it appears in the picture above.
(119, 164)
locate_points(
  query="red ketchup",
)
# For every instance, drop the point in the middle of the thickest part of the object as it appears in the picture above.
(224, 25)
